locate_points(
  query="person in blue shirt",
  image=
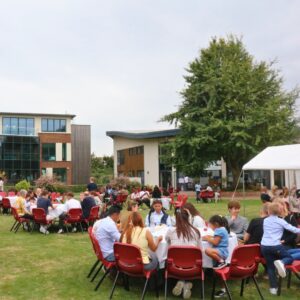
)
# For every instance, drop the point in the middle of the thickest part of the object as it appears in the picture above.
(276, 255)
(219, 250)
(197, 190)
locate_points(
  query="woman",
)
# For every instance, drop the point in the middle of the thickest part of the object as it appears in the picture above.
(132, 206)
(274, 192)
(182, 235)
(156, 194)
(194, 216)
(136, 234)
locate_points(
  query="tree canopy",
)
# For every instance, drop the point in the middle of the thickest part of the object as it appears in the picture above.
(233, 107)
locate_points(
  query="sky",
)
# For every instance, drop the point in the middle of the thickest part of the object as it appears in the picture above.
(119, 64)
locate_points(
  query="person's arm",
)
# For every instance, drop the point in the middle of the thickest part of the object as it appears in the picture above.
(214, 240)
(290, 239)
(245, 225)
(114, 232)
(246, 237)
(151, 244)
(147, 224)
(288, 226)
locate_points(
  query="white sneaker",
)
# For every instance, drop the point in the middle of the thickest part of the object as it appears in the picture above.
(25, 226)
(280, 268)
(43, 229)
(60, 231)
(177, 290)
(74, 229)
(187, 293)
(273, 291)
(47, 232)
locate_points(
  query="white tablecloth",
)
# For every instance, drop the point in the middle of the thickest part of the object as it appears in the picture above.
(162, 250)
(165, 202)
(57, 211)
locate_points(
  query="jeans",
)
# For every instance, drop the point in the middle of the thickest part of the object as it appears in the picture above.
(152, 264)
(272, 253)
(110, 257)
(295, 253)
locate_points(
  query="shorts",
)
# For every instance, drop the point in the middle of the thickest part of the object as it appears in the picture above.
(223, 252)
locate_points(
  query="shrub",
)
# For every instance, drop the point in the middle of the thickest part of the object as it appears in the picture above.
(50, 183)
(126, 182)
(22, 185)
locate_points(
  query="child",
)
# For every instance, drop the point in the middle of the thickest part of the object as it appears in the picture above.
(272, 249)
(219, 251)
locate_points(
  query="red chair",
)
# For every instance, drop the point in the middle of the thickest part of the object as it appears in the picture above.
(94, 216)
(74, 217)
(129, 262)
(53, 196)
(184, 263)
(11, 194)
(108, 265)
(121, 198)
(18, 220)
(90, 231)
(3, 194)
(294, 268)
(39, 217)
(244, 264)
(6, 205)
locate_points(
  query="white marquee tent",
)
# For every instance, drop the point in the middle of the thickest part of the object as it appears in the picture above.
(285, 158)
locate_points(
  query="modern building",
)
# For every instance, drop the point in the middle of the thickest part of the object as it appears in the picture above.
(138, 154)
(33, 144)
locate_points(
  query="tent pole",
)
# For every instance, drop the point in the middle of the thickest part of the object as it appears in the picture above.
(237, 184)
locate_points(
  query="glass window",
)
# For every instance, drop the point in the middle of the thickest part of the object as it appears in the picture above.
(44, 125)
(63, 126)
(121, 157)
(56, 125)
(6, 125)
(18, 126)
(30, 127)
(50, 125)
(48, 152)
(64, 151)
(22, 126)
(13, 125)
(53, 125)
(61, 174)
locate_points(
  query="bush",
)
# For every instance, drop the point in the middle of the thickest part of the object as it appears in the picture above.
(22, 185)
(126, 182)
(76, 188)
(50, 183)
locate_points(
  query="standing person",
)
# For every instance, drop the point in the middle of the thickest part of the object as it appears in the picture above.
(107, 232)
(183, 234)
(44, 203)
(87, 202)
(1, 184)
(186, 183)
(136, 234)
(157, 216)
(197, 190)
(272, 249)
(236, 223)
(92, 186)
(70, 203)
(194, 216)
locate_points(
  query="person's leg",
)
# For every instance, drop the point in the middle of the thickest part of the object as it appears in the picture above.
(110, 257)
(285, 256)
(153, 264)
(295, 253)
(214, 254)
(147, 202)
(269, 253)
(62, 217)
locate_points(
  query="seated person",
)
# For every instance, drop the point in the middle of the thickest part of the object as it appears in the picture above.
(70, 203)
(135, 195)
(194, 216)
(136, 234)
(156, 193)
(157, 216)
(144, 197)
(44, 202)
(183, 234)
(132, 206)
(255, 231)
(107, 232)
(87, 202)
(236, 223)
(264, 196)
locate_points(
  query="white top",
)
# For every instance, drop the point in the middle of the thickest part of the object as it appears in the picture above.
(197, 221)
(155, 219)
(209, 189)
(144, 194)
(72, 203)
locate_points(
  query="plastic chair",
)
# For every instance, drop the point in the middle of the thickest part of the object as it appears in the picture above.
(3, 194)
(11, 194)
(294, 268)
(39, 217)
(244, 265)
(94, 215)
(108, 265)
(18, 220)
(129, 262)
(90, 231)
(6, 205)
(184, 263)
(74, 217)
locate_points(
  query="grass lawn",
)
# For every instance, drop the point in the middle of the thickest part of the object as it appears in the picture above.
(34, 266)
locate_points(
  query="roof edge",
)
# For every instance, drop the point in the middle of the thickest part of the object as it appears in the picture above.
(144, 135)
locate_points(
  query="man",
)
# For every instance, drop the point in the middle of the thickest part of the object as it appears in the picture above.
(44, 203)
(197, 190)
(186, 183)
(38, 192)
(144, 197)
(87, 203)
(255, 229)
(107, 232)
(157, 216)
(70, 203)
(92, 186)
(236, 223)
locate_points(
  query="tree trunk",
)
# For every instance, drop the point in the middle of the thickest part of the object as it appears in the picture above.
(235, 169)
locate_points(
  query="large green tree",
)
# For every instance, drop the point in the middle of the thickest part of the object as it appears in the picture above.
(233, 107)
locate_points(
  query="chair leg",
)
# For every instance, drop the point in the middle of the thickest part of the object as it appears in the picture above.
(13, 226)
(289, 279)
(166, 288)
(145, 289)
(96, 274)
(126, 282)
(156, 286)
(213, 287)
(103, 277)
(242, 287)
(80, 225)
(279, 286)
(17, 227)
(93, 268)
(114, 285)
(202, 289)
(257, 287)
(227, 289)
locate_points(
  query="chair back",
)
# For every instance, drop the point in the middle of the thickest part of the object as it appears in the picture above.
(244, 261)
(53, 196)
(6, 203)
(94, 214)
(39, 215)
(96, 245)
(15, 214)
(11, 194)
(75, 215)
(3, 194)
(184, 262)
(91, 235)
(128, 259)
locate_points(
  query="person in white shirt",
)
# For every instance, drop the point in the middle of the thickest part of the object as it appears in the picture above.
(186, 182)
(194, 216)
(157, 216)
(107, 232)
(1, 185)
(70, 203)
